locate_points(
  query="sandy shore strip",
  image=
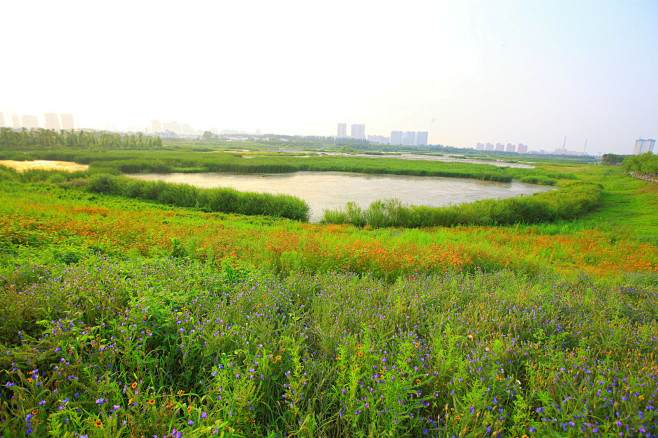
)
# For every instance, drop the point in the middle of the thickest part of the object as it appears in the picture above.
(22, 166)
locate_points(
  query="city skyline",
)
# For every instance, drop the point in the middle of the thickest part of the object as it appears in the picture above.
(30, 121)
(526, 72)
(357, 132)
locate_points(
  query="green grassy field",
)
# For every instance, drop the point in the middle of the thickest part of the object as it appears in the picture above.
(128, 317)
(191, 159)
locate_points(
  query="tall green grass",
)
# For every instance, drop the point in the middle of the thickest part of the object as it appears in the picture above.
(222, 200)
(567, 203)
(212, 200)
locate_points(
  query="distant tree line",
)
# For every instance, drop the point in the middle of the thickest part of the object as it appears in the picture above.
(80, 139)
(644, 166)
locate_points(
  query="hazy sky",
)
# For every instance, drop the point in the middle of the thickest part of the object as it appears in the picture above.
(525, 71)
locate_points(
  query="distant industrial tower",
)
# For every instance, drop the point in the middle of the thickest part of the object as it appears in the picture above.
(342, 130)
(67, 122)
(643, 146)
(52, 121)
(358, 132)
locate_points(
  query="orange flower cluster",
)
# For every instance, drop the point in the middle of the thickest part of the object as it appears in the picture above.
(288, 246)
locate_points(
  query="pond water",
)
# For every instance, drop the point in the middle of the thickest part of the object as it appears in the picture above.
(323, 190)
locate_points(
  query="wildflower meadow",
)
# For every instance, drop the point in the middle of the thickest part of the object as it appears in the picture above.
(126, 317)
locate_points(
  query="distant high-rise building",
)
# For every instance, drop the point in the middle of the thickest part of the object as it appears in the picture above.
(421, 138)
(523, 148)
(15, 121)
(409, 138)
(358, 132)
(342, 130)
(396, 137)
(30, 122)
(156, 126)
(378, 139)
(2, 120)
(643, 146)
(479, 146)
(52, 121)
(173, 127)
(500, 147)
(510, 148)
(490, 147)
(67, 122)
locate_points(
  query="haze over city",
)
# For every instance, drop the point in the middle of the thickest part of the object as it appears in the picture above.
(465, 72)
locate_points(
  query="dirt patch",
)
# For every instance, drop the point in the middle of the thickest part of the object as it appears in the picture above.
(22, 166)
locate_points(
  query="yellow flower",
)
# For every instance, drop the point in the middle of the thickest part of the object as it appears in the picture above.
(134, 385)
(98, 423)
(151, 402)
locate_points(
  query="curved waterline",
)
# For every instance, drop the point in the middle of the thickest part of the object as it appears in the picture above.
(328, 190)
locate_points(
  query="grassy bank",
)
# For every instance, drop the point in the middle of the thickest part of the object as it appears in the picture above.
(212, 200)
(181, 195)
(567, 203)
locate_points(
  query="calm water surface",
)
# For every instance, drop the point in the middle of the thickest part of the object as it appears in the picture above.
(323, 190)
